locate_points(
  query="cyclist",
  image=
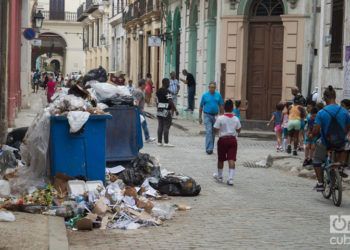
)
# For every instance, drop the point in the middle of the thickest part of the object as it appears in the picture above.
(333, 124)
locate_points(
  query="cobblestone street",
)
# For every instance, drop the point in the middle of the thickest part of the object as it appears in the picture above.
(266, 209)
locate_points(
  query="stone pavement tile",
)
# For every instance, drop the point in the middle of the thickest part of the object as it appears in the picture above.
(29, 231)
(266, 209)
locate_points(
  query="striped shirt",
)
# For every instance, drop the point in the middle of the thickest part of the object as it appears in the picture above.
(173, 87)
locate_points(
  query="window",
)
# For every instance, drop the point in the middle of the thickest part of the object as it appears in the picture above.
(337, 29)
(268, 8)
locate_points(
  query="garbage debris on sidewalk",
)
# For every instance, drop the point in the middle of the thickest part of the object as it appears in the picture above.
(128, 200)
(131, 195)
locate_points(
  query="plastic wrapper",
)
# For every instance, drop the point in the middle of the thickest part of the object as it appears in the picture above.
(4, 188)
(104, 90)
(163, 211)
(36, 157)
(77, 119)
(7, 158)
(25, 180)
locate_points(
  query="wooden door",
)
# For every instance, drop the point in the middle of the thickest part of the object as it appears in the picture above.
(264, 73)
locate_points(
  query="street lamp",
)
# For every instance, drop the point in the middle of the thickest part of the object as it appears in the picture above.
(38, 20)
(103, 40)
(136, 35)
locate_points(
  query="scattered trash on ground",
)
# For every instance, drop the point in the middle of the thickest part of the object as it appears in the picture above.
(133, 194)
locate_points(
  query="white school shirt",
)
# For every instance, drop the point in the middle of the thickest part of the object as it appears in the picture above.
(227, 125)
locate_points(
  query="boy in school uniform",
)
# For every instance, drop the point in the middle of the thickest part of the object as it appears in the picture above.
(228, 126)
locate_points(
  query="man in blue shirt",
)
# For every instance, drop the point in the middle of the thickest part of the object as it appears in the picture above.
(322, 127)
(211, 104)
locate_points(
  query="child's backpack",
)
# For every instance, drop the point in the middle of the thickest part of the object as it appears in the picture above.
(336, 135)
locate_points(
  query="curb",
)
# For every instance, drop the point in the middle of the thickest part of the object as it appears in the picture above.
(252, 134)
(57, 234)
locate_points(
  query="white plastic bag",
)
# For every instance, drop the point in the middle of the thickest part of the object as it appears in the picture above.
(77, 119)
(104, 90)
(7, 216)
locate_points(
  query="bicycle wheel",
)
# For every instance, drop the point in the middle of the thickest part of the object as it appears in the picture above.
(327, 187)
(337, 188)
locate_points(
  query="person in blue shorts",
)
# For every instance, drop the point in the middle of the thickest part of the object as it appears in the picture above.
(310, 141)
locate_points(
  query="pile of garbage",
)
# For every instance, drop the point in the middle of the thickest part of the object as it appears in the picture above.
(134, 195)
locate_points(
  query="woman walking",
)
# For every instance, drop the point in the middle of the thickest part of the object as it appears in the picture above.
(51, 88)
(148, 89)
(165, 107)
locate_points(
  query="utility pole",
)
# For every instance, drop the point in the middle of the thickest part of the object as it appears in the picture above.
(3, 69)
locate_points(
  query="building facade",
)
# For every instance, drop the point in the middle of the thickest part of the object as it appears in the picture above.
(141, 21)
(253, 49)
(117, 48)
(94, 15)
(331, 50)
(61, 38)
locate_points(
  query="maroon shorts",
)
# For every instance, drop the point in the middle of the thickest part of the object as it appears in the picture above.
(227, 148)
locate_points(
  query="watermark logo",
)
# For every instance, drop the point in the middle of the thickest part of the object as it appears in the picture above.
(339, 225)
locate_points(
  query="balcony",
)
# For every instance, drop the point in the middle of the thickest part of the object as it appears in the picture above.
(81, 15)
(92, 5)
(141, 9)
(60, 16)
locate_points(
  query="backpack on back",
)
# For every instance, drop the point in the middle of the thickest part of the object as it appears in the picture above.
(336, 135)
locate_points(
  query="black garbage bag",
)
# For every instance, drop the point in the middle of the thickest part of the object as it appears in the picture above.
(98, 74)
(118, 100)
(178, 185)
(139, 169)
(16, 136)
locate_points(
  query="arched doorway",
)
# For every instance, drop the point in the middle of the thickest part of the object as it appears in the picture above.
(176, 42)
(211, 41)
(265, 57)
(51, 44)
(193, 36)
(55, 65)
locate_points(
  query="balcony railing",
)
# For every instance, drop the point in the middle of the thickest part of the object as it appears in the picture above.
(60, 16)
(81, 12)
(140, 8)
(92, 5)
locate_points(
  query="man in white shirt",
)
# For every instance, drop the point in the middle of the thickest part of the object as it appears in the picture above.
(228, 126)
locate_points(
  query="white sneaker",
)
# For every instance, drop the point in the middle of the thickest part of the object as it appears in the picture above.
(150, 140)
(159, 144)
(217, 178)
(168, 145)
(230, 182)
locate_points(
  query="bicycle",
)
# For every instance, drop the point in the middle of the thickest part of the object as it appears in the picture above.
(333, 172)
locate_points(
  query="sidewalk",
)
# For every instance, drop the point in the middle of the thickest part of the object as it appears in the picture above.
(192, 127)
(33, 231)
(26, 116)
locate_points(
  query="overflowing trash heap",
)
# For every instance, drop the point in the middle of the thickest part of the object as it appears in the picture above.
(135, 194)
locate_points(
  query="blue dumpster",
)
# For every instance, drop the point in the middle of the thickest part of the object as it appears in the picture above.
(82, 153)
(124, 134)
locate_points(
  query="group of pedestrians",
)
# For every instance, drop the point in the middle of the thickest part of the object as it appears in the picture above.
(222, 118)
(317, 127)
(47, 80)
(166, 97)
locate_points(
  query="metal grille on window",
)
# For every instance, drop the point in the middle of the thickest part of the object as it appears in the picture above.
(268, 8)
